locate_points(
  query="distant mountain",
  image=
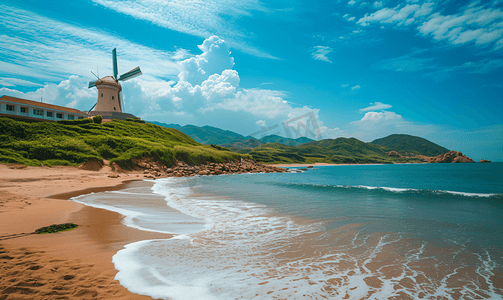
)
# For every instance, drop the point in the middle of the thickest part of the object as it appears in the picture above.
(285, 141)
(407, 144)
(229, 139)
(341, 150)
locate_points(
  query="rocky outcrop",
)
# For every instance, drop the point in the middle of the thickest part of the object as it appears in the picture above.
(484, 161)
(92, 165)
(394, 154)
(152, 169)
(449, 157)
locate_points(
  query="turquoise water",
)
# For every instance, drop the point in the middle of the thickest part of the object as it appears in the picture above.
(463, 202)
(429, 231)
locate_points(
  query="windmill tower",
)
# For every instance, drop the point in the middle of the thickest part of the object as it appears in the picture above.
(109, 104)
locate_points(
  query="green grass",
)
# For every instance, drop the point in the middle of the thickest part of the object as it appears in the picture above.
(56, 228)
(75, 142)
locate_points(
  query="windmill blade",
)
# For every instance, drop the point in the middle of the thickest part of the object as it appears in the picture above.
(114, 58)
(92, 83)
(131, 74)
(93, 107)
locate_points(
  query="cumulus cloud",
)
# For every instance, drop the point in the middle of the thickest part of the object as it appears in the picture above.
(215, 59)
(378, 124)
(356, 87)
(376, 106)
(72, 92)
(321, 52)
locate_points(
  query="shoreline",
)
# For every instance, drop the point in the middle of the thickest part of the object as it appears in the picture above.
(76, 263)
(327, 164)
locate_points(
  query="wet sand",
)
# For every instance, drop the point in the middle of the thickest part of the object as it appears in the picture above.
(75, 264)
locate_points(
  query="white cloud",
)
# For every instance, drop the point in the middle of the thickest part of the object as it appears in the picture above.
(378, 4)
(376, 106)
(375, 125)
(261, 123)
(198, 18)
(72, 92)
(356, 87)
(45, 49)
(332, 133)
(475, 23)
(352, 2)
(9, 81)
(215, 59)
(320, 53)
(344, 85)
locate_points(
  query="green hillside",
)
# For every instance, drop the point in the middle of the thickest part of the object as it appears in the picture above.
(407, 144)
(211, 135)
(207, 134)
(75, 142)
(341, 150)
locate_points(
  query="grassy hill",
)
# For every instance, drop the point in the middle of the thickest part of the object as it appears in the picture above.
(75, 142)
(404, 143)
(341, 150)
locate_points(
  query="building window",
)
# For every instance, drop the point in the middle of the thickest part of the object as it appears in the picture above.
(59, 115)
(114, 107)
(10, 107)
(70, 117)
(23, 109)
(38, 112)
(112, 97)
(49, 114)
(102, 95)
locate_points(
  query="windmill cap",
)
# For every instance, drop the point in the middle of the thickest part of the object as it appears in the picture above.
(108, 80)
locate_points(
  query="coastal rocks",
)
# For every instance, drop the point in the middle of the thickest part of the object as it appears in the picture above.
(117, 168)
(484, 161)
(449, 157)
(153, 170)
(92, 165)
(114, 175)
(394, 154)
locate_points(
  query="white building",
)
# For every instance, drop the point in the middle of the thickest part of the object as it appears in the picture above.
(27, 109)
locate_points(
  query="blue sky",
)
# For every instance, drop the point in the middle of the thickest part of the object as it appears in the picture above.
(363, 69)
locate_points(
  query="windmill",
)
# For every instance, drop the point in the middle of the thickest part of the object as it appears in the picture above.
(109, 89)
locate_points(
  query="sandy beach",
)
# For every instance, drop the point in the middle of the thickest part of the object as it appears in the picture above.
(75, 264)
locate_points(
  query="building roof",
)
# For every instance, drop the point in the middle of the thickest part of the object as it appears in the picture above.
(108, 80)
(41, 104)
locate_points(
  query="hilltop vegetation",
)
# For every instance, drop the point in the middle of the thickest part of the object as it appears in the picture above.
(410, 145)
(341, 150)
(73, 143)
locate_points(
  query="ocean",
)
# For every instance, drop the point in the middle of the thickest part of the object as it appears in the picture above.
(413, 231)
